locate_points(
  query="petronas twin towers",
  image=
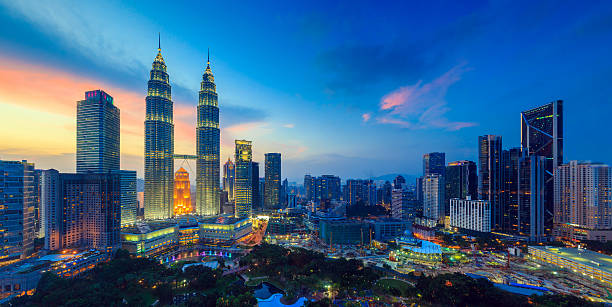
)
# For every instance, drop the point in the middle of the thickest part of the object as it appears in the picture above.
(159, 145)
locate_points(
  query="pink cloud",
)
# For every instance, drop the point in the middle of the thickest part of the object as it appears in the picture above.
(366, 117)
(48, 89)
(422, 105)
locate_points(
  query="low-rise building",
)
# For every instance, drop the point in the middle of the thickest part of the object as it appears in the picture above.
(574, 260)
(470, 214)
(224, 228)
(332, 231)
(387, 228)
(150, 239)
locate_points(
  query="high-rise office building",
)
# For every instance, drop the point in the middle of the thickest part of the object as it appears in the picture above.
(97, 147)
(39, 218)
(228, 179)
(385, 193)
(510, 165)
(399, 182)
(283, 193)
(328, 187)
(309, 187)
(583, 195)
(461, 181)
(256, 194)
(262, 187)
(129, 202)
(433, 196)
(434, 163)
(182, 193)
(273, 180)
(207, 147)
(542, 135)
(403, 205)
(51, 203)
(85, 211)
(490, 177)
(418, 193)
(17, 197)
(357, 190)
(243, 180)
(470, 214)
(531, 194)
(159, 144)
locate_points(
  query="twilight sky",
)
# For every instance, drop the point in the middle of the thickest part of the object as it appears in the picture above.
(356, 89)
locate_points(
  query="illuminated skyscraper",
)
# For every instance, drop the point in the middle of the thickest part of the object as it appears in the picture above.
(531, 194)
(159, 144)
(129, 201)
(434, 163)
(243, 188)
(273, 180)
(490, 177)
(182, 192)
(542, 135)
(97, 147)
(583, 195)
(229, 172)
(256, 193)
(17, 198)
(84, 210)
(207, 147)
(461, 181)
(433, 196)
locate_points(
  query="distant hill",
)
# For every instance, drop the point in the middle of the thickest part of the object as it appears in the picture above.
(410, 179)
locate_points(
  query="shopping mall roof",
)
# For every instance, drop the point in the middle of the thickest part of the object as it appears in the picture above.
(582, 256)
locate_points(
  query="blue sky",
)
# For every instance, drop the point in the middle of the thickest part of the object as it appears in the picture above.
(356, 89)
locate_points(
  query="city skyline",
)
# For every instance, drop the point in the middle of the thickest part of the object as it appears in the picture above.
(276, 100)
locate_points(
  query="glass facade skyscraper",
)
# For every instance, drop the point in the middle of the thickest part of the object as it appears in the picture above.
(97, 147)
(129, 202)
(229, 173)
(17, 197)
(490, 177)
(207, 147)
(159, 144)
(243, 185)
(256, 194)
(542, 135)
(531, 196)
(273, 180)
(434, 163)
(461, 181)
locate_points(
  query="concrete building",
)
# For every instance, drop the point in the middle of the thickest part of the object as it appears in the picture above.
(433, 197)
(470, 214)
(84, 211)
(403, 205)
(583, 195)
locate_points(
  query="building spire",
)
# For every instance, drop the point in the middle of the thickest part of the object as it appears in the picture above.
(158, 41)
(208, 58)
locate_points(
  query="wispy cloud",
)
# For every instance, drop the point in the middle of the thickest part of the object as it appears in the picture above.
(290, 126)
(366, 117)
(422, 105)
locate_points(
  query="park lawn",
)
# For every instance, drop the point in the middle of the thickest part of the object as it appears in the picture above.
(389, 283)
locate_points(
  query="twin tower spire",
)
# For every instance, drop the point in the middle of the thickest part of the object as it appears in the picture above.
(159, 144)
